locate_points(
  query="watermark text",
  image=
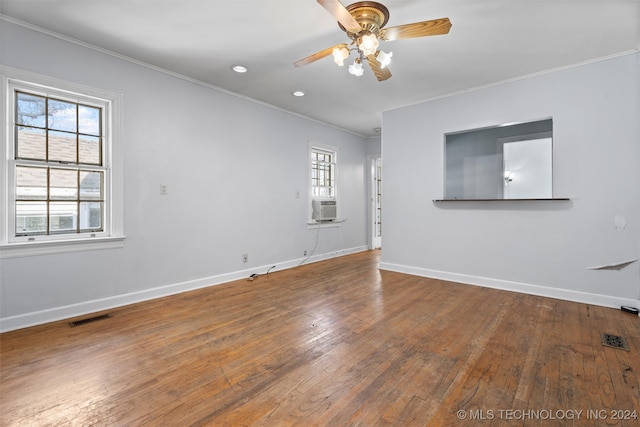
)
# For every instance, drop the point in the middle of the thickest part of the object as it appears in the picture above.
(547, 414)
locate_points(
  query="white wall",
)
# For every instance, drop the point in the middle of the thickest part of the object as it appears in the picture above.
(374, 146)
(536, 247)
(232, 167)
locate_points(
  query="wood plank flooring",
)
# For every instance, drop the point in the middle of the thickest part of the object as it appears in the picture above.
(335, 343)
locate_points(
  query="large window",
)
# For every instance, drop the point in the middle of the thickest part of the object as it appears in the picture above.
(323, 173)
(59, 167)
(59, 183)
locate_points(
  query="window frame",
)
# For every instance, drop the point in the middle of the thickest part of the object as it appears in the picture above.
(334, 151)
(12, 245)
(332, 171)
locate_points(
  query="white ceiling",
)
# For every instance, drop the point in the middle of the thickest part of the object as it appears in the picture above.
(490, 41)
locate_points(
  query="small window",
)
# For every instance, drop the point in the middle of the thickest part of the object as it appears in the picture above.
(323, 173)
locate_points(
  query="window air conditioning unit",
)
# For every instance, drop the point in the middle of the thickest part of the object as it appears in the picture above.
(323, 210)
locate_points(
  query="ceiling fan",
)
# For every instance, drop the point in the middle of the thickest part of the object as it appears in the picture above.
(364, 23)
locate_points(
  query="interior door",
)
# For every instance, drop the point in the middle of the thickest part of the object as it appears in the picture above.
(527, 169)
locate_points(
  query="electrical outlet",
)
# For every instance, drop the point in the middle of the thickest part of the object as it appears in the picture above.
(305, 253)
(245, 257)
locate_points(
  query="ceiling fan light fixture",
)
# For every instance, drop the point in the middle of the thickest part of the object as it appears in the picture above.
(339, 55)
(356, 68)
(368, 44)
(364, 24)
(384, 58)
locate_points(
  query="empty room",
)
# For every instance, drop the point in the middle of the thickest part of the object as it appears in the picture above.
(316, 213)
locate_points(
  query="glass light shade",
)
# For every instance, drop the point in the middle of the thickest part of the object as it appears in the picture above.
(356, 69)
(368, 44)
(384, 58)
(339, 55)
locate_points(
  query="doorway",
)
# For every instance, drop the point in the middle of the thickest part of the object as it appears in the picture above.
(376, 203)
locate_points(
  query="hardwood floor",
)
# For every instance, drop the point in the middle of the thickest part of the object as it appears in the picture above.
(332, 343)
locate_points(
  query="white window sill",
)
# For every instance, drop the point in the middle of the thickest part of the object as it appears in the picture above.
(326, 224)
(27, 249)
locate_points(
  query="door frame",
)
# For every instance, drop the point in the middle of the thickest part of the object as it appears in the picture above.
(374, 242)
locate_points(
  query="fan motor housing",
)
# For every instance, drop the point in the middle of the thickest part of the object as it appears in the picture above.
(371, 16)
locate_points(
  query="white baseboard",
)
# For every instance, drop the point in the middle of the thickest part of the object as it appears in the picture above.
(525, 288)
(80, 309)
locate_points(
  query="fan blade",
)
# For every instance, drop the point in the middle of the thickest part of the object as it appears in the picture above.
(417, 29)
(381, 73)
(341, 13)
(318, 55)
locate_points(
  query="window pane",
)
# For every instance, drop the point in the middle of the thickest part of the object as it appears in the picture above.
(63, 184)
(62, 147)
(62, 115)
(89, 150)
(32, 143)
(31, 183)
(62, 216)
(90, 185)
(91, 216)
(89, 120)
(59, 174)
(30, 110)
(31, 218)
(322, 174)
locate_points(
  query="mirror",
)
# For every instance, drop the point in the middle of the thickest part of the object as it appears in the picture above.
(511, 161)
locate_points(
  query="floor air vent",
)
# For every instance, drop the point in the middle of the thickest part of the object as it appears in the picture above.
(89, 320)
(614, 341)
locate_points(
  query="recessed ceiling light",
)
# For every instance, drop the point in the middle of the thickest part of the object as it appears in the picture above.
(239, 68)
(298, 93)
